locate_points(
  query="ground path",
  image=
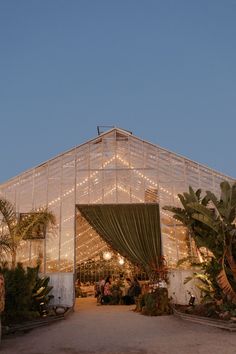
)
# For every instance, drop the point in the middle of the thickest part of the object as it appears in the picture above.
(118, 330)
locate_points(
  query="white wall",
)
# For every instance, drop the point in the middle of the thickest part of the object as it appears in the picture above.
(63, 289)
(180, 291)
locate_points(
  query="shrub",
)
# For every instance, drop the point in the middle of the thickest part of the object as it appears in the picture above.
(20, 285)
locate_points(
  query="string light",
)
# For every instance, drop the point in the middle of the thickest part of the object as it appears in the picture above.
(119, 187)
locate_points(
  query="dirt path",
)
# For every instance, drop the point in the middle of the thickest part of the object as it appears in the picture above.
(117, 330)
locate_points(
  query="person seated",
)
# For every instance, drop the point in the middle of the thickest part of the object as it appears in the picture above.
(126, 296)
(106, 299)
(134, 290)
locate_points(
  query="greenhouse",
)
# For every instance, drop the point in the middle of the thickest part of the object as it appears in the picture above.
(113, 173)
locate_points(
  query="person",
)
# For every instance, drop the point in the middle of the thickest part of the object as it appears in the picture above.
(106, 299)
(137, 287)
(134, 290)
(78, 291)
(126, 298)
(97, 289)
(100, 291)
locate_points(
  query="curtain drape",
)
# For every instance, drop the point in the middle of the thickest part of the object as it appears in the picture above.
(133, 230)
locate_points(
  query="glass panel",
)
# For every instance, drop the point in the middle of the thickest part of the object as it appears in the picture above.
(122, 153)
(169, 244)
(25, 197)
(151, 193)
(164, 165)
(40, 186)
(178, 168)
(166, 195)
(67, 213)
(137, 186)
(109, 187)
(123, 190)
(82, 187)
(52, 246)
(136, 153)
(182, 240)
(10, 193)
(96, 187)
(54, 202)
(67, 247)
(109, 151)
(150, 156)
(206, 179)
(36, 254)
(96, 154)
(82, 157)
(192, 174)
(179, 188)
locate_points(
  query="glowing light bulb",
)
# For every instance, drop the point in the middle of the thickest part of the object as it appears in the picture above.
(121, 260)
(107, 255)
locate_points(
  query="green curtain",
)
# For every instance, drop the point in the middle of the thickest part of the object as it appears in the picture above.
(133, 230)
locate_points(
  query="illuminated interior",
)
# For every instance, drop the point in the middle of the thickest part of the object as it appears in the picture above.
(115, 167)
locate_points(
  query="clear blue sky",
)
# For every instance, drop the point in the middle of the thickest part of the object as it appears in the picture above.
(165, 70)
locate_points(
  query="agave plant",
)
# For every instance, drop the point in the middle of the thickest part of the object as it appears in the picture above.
(16, 228)
(40, 294)
(211, 222)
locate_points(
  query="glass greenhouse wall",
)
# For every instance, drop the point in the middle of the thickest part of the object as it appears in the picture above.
(115, 167)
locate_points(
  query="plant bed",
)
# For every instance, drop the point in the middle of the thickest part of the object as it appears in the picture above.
(198, 314)
(154, 304)
(36, 323)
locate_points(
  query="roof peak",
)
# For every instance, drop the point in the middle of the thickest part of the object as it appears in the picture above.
(102, 129)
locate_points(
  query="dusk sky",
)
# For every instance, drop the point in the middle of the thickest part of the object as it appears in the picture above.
(166, 70)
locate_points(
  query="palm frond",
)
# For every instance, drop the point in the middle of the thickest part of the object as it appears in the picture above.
(8, 213)
(207, 221)
(201, 209)
(34, 224)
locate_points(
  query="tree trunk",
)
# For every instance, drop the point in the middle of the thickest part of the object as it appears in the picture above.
(13, 259)
(231, 262)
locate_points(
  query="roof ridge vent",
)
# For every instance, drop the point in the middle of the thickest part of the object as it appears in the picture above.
(101, 129)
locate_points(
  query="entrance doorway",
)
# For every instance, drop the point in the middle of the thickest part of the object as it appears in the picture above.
(96, 259)
(117, 240)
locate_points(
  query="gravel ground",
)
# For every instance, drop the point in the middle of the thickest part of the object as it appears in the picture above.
(95, 329)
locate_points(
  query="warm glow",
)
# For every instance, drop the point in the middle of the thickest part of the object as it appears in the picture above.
(107, 255)
(121, 260)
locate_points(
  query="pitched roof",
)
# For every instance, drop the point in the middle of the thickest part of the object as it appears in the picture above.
(122, 132)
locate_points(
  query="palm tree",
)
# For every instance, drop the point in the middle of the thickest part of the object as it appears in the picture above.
(214, 228)
(28, 226)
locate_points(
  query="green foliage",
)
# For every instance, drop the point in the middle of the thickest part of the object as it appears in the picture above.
(190, 260)
(15, 228)
(155, 304)
(215, 230)
(40, 293)
(20, 287)
(204, 284)
(150, 305)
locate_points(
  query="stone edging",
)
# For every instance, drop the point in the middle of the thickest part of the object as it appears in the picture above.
(230, 326)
